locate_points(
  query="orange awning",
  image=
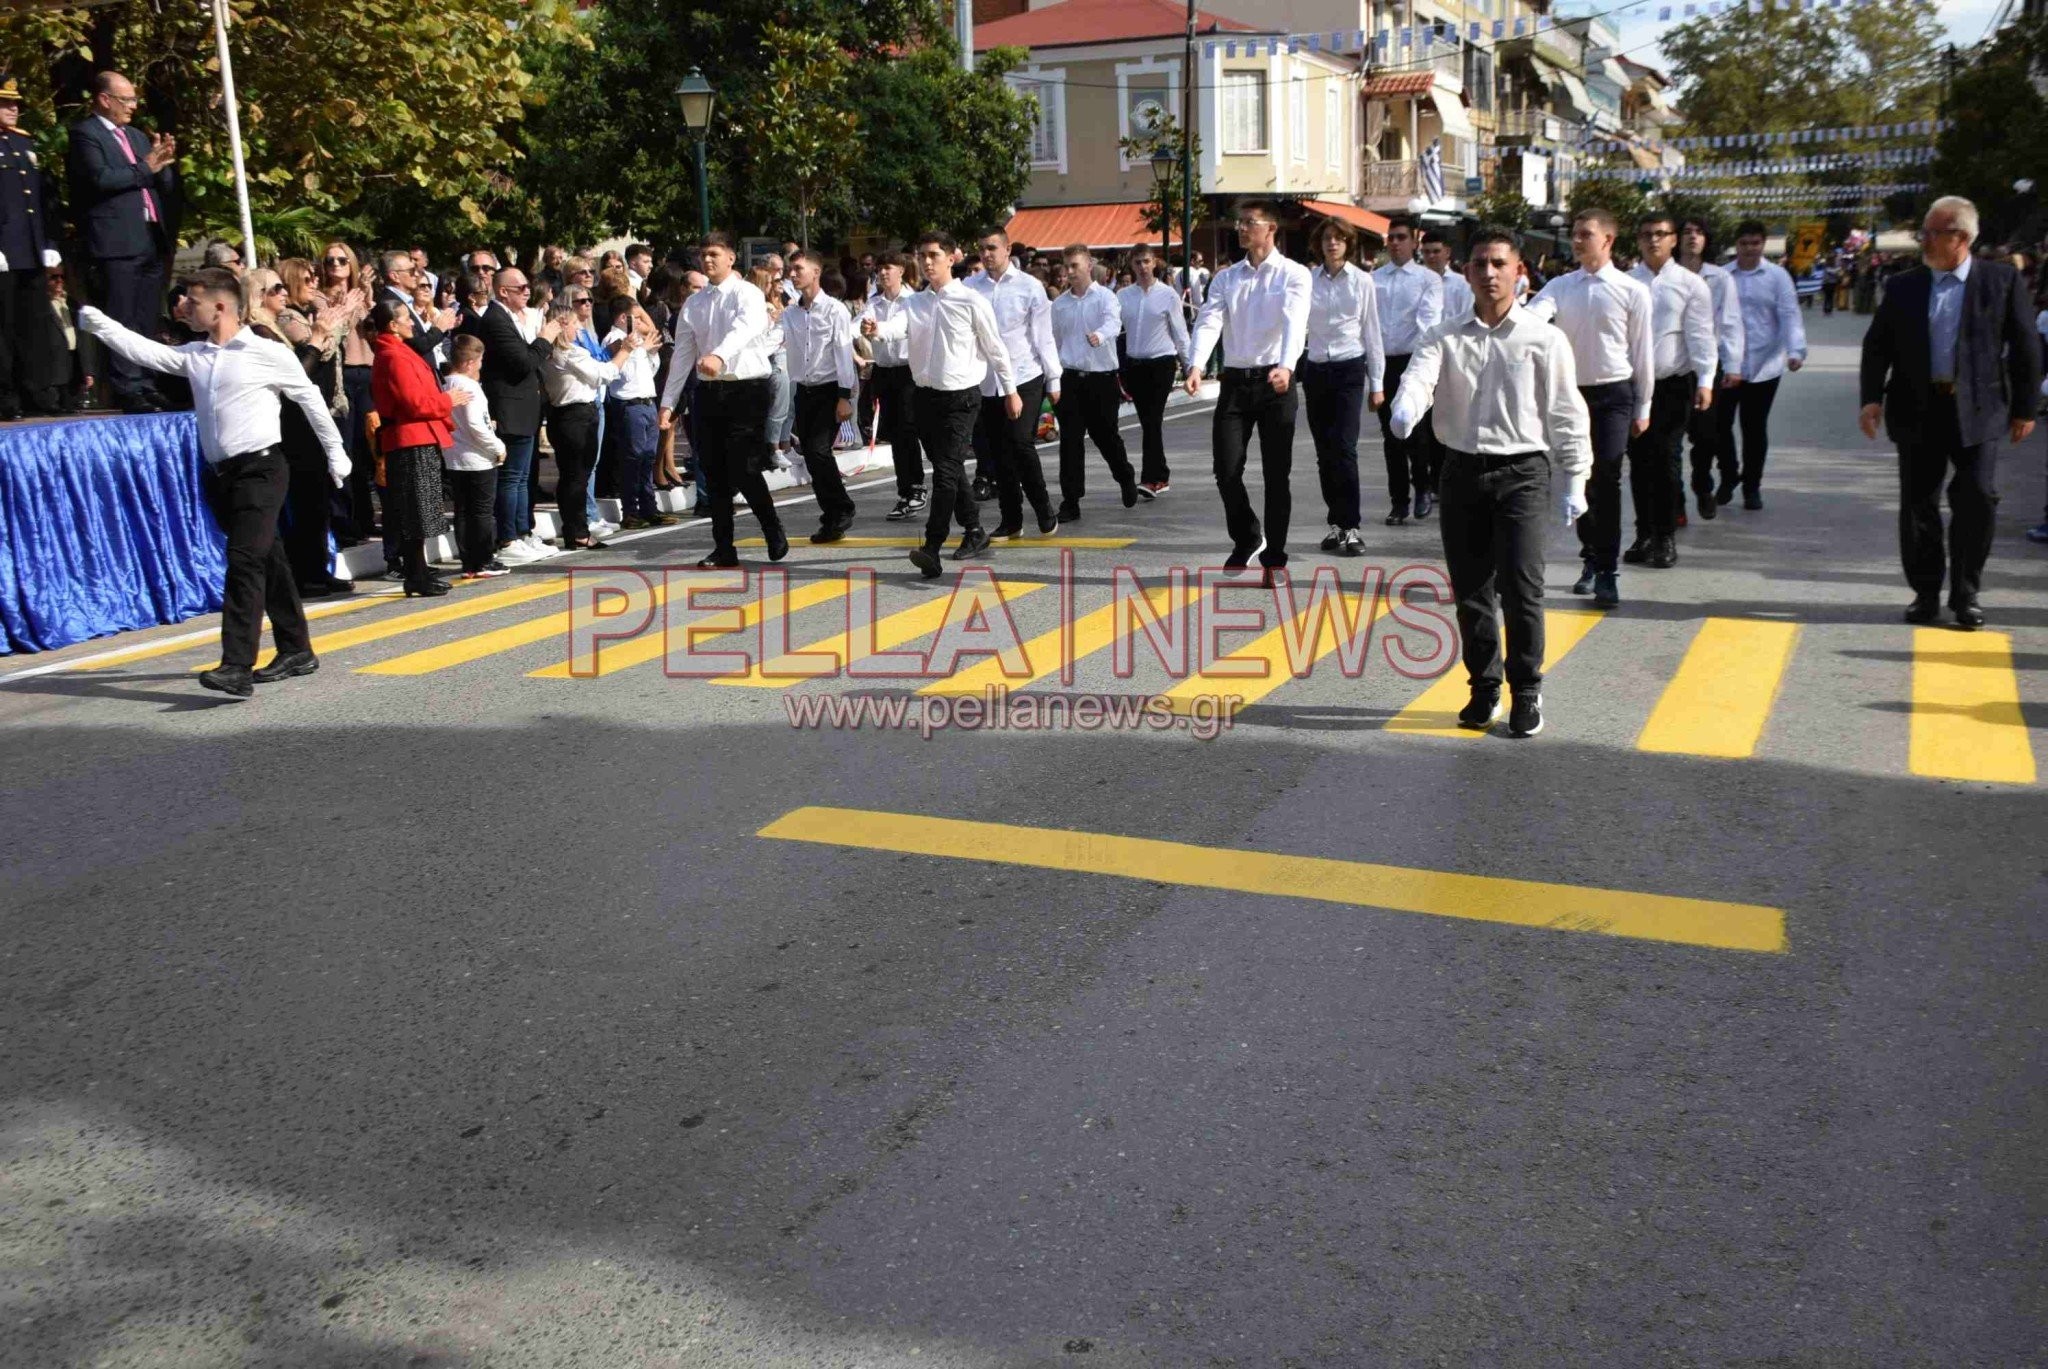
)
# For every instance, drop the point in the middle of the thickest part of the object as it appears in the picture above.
(1095, 225)
(1351, 214)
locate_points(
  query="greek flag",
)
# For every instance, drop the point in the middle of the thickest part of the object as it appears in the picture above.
(1433, 171)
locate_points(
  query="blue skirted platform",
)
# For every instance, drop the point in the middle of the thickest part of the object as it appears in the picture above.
(104, 528)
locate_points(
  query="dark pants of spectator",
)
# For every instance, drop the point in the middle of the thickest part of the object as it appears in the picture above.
(633, 431)
(1087, 412)
(1612, 410)
(351, 507)
(1149, 381)
(732, 450)
(476, 523)
(31, 349)
(514, 512)
(815, 430)
(1013, 452)
(1924, 464)
(1334, 396)
(1249, 404)
(945, 427)
(1495, 513)
(1748, 404)
(892, 390)
(1653, 457)
(572, 432)
(304, 526)
(246, 493)
(1407, 457)
(131, 290)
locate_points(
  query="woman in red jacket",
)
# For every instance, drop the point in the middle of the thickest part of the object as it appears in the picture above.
(413, 426)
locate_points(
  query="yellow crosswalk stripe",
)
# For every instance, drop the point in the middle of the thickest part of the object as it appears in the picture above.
(886, 633)
(466, 649)
(451, 610)
(1718, 702)
(209, 641)
(1043, 654)
(1006, 544)
(1435, 893)
(1967, 723)
(1272, 650)
(1434, 712)
(653, 644)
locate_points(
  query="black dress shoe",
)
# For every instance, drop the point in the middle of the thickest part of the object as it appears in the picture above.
(1398, 518)
(1424, 502)
(235, 680)
(973, 542)
(1724, 492)
(1752, 500)
(1664, 553)
(1925, 608)
(927, 562)
(831, 531)
(778, 544)
(286, 667)
(427, 589)
(1638, 552)
(720, 560)
(10, 413)
(1968, 616)
(982, 490)
(142, 404)
(1069, 511)
(1584, 584)
(1708, 507)
(1130, 492)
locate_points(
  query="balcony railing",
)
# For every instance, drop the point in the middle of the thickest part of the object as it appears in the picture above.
(1403, 179)
(1535, 125)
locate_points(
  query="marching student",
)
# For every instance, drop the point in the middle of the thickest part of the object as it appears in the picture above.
(1708, 431)
(237, 382)
(954, 344)
(1436, 255)
(820, 340)
(1343, 363)
(1682, 346)
(1411, 302)
(1086, 322)
(1258, 309)
(1513, 426)
(1607, 316)
(1155, 339)
(1024, 314)
(889, 381)
(1774, 342)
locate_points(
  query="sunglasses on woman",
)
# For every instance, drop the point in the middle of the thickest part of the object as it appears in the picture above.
(336, 261)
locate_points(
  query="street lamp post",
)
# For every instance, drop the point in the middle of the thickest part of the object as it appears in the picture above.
(1163, 162)
(696, 97)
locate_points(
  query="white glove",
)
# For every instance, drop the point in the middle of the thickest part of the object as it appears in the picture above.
(1574, 502)
(51, 261)
(3, 262)
(337, 470)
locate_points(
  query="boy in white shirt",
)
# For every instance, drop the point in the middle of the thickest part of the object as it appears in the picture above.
(472, 460)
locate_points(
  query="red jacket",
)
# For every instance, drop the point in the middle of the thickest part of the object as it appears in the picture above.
(412, 408)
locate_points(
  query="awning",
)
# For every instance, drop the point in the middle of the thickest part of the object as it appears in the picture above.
(1451, 110)
(1095, 225)
(1576, 90)
(1351, 214)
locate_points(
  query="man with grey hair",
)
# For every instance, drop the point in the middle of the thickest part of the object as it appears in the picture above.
(1951, 365)
(401, 275)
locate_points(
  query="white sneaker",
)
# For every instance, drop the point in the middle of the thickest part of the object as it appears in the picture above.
(536, 549)
(515, 553)
(603, 527)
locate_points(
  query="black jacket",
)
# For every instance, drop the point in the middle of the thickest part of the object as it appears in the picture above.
(106, 193)
(1998, 354)
(25, 227)
(425, 336)
(511, 375)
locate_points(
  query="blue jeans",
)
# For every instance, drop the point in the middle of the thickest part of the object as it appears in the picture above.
(632, 430)
(782, 408)
(514, 502)
(591, 514)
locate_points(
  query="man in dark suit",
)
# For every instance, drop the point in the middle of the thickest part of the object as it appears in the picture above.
(29, 345)
(511, 386)
(1950, 365)
(402, 276)
(123, 185)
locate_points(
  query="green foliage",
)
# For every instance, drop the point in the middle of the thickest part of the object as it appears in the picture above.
(800, 130)
(942, 148)
(1165, 214)
(2001, 128)
(1503, 208)
(1623, 199)
(1705, 206)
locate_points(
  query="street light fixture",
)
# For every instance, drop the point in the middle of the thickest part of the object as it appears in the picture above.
(1165, 161)
(696, 97)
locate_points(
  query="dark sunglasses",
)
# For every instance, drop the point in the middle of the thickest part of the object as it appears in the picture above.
(336, 261)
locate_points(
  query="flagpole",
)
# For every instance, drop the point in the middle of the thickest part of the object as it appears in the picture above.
(227, 89)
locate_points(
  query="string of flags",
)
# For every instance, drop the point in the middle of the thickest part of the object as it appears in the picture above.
(1791, 137)
(1788, 193)
(1912, 156)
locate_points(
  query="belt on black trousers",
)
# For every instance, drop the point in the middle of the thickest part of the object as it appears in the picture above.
(1490, 461)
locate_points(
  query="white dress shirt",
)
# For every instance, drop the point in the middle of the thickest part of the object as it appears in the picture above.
(236, 387)
(1075, 317)
(1497, 391)
(888, 350)
(1681, 321)
(1729, 336)
(1344, 320)
(1154, 325)
(1260, 313)
(477, 446)
(637, 366)
(820, 340)
(1607, 316)
(572, 375)
(1024, 315)
(730, 321)
(1772, 332)
(952, 340)
(1457, 296)
(1411, 303)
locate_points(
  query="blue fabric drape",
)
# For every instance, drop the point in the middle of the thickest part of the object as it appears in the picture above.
(104, 527)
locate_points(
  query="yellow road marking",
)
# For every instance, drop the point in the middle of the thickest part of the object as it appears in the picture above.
(1008, 543)
(467, 649)
(892, 631)
(1435, 893)
(1434, 713)
(455, 609)
(1967, 723)
(1271, 649)
(148, 650)
(652, 644)
(1042, 654)
(1718, 702)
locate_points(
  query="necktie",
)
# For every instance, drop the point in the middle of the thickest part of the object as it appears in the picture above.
(148, 200)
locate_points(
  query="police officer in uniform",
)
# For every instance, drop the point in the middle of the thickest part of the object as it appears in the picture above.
(27, 349)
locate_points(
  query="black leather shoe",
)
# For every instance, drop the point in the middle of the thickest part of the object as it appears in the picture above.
(1664, 553)
(983, 491)
(1009, 528)
(1424, 503)
(778, 544)
(142, 404)
(1069, 511)
(1969, 617)
(1752, 500)
(1607, 590)
(1483, 711)
(728, 560)
(1638, 552)
(973, 542)
(427, 589)
(236, 681)
(1398, 518)
(1724, 492)
(283, 667)
(1130, 493)
(1584, 584)
(927, 562)
(1708, 507)
(830, 531)
(1925, 608)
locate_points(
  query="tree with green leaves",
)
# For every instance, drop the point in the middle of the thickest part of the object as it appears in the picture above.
(1626, 200)
(941, 147)
(1504, 208)
(1165, 214)
(801, 130)
(2001, 130)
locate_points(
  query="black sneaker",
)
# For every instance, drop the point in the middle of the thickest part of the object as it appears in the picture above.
(973, 542)
(1009, 528)
(1708, 508)
(983, 491)
(1484, 710)
(1607, 590)
(927, 562)
(1069, 512)
(720, 560)
(1752, 500)
(900, 512)
(1335, 535)
(1242, 554)
(286, 667)
(1351, 544)
(918, 500)
(1638, 552)
(237, 681)
(778, 544)
(1049, 523)
(1525, 718)
(1130, 493)
(831, 530)
(1584, 584)
(1724, 492)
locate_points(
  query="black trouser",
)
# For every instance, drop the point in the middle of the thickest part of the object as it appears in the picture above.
(1408, 458)
(476, 515)
(1749, 404)
(305, 515)
(1334, 395)
(1013, 451)
(133, 291)
(1705, 429)
(865, 407)
(30, 351)
(1653, 457)
(816, 430)
(572, 432)
(246, 493)
(1494, 513)
(1249, 402)
(1087, 411)
(1612, 411)
(732, 438)
(891, 386)
(1924, 463)
(352, 508)
(945, 425)
(1149, 382)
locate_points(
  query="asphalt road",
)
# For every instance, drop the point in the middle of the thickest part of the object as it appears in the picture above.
(464, 1017)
